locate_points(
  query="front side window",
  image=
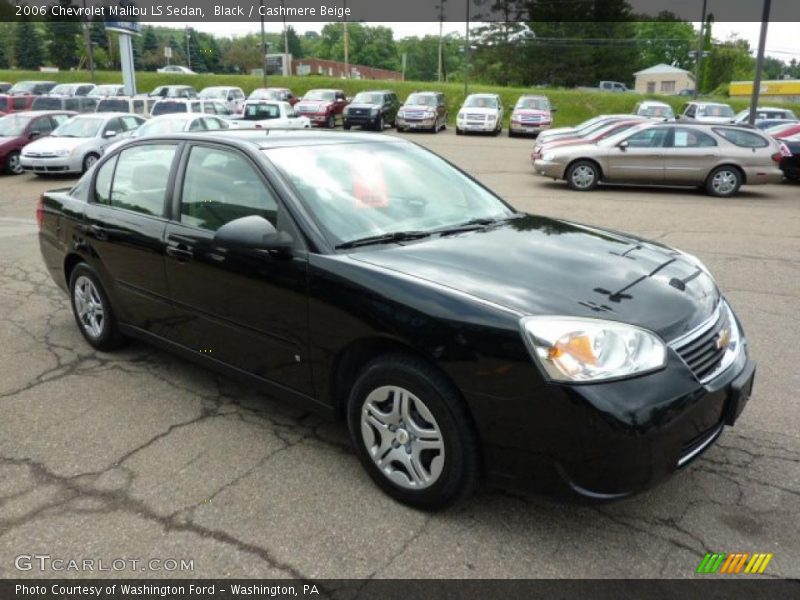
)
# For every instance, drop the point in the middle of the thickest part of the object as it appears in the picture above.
(648, 138)
(220, 186)
(140, 179)
(42, 126)
(102, 183)
(377, 189)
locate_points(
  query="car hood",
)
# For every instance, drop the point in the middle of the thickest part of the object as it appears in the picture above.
(418, 107)
(12, 142)
(363, 105)
(540, 266)
(313, 105)
(556, 131)
(531, 112)
(54, 144)
(478, 110)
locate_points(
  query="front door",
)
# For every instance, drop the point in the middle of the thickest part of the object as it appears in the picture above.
(640, 158)
(246, 308)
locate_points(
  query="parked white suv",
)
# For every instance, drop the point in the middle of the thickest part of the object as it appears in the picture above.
(707, 112)
(480, 113)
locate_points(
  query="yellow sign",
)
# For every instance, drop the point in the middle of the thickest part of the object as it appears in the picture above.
(787, 87)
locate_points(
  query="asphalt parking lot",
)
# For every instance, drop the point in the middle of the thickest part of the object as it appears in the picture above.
(140, 455)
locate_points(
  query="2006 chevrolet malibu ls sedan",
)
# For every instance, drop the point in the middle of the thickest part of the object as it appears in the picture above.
(369, 278)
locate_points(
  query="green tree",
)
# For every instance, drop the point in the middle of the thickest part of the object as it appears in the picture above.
(294, 43)
(63, 37)
(3, 59)
(667, 40)
(727, 61)
(775, 68)
(27, 46)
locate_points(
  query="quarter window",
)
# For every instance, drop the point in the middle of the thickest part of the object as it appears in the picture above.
(740, 137)
(220, 186)
(140, 180)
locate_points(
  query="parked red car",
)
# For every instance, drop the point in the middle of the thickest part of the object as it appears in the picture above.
(324, 107)
(20, 129)
(11, 104)
(594, 137)
(779, 131)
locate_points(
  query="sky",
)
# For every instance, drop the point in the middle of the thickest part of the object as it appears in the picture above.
(783, 41)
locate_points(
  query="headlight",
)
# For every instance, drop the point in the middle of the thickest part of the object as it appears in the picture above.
(460, 115)
(374, 110)
(492, 117)
(62, 152)
(401, 113)
(548, 156)
(579, 349)
(430, 113)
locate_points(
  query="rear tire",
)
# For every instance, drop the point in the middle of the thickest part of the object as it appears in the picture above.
(413, 433)
(346, 126)
(459, 132)
(331, 122)
(724, 182)
(583, 175)
(92, 309)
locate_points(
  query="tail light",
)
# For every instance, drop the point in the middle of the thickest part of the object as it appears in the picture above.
(785, 150)
(40, 212)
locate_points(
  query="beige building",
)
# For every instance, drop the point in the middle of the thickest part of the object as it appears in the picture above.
(663, 79)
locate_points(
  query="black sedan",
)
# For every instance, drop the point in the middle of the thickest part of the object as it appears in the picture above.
(366, 277)
(790, 164)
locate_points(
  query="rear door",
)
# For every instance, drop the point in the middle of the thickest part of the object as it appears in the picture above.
(124, 227)
(246, 308)
(689, 156)
(641, 159)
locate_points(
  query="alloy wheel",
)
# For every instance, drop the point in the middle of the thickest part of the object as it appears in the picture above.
(583, 176)
(15, 164)
(724, 182)
(402, 437)
(89, 306)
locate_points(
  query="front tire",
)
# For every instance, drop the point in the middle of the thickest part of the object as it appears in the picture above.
(724, 182)
(412, 432)
(89, 161)
(583, 175)
(331, 122)
(379, 124)
(13, 164)
(92, 309)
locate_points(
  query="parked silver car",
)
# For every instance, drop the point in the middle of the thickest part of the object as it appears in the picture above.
(707, 112)
(720, 158)
(75, 146)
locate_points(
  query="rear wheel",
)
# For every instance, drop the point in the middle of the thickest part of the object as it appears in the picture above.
(459, 132)
(92, 309)
(724, 182)
(583, 175)
(412, 432)
(331, 122)
(13, 164)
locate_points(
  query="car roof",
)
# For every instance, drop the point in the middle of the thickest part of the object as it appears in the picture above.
(654, 102)
(40, 113)
(178, 116)
(262, 139)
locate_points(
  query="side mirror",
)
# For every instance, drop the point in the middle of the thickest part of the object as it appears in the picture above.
(553, 109)
(34, 134)
(109, 134)
(252, 233)
(623, 145)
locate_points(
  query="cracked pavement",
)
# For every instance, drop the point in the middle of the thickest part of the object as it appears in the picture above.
(140, 454)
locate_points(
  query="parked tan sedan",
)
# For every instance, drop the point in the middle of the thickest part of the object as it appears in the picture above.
(720, 158)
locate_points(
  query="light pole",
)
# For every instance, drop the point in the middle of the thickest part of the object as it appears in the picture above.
(700, 45)
(466, 56)
(87, 39)
(346, 47)
(263, 47)
(762, 41)
(188, 47)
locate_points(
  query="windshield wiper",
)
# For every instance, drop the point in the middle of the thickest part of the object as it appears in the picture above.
(385, 238)
(475, 224)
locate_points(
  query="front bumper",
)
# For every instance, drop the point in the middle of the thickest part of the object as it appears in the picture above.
(530, 128)
(608, 440)
(60, 164)
(317, 119)
(416, 123)
(477, 126)
(361, 120)
(548, 168)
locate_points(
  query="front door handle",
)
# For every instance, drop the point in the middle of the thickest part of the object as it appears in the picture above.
(181, 252)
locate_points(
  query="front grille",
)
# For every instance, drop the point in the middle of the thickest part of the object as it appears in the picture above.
(530, 119)
(703, 353)
(414, 115)
(359, 111)
(475, 117)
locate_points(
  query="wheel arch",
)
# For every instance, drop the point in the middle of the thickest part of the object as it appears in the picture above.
(730, 165)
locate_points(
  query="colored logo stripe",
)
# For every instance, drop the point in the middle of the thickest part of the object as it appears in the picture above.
(758, 563)
(720, 562)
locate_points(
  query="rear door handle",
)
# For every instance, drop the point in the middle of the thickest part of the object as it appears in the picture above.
(97, 232)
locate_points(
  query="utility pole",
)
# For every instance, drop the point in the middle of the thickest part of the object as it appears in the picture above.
(466, 56)
(87, 40)
(762, 41)
(700, 45)
(346, 47)
(441, 24)
(287, 68)
(263, 48)
(188, 48)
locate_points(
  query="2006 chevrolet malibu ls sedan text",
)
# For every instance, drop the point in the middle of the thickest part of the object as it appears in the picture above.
(369, 278)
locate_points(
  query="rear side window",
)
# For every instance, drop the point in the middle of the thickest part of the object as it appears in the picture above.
(113, 105)
(140, 179)
(743, 138)
(21, 104)
(691, 138)
(45, 103)
(220, 186)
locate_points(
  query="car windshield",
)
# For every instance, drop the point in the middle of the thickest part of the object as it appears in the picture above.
(22, 87)
(657, 111)
(320, 95)
(533, 104)
(421, 100)
(63, 89)
(13, 125)
(214, 93)
(165, 108)
(159, 126)
(368, 98)
(258, 112)
(79, 128)
(377, 189)
(716, 110)
(105, 90)
(46, 103)
(480, 102)
(113, 105)
(266, 95)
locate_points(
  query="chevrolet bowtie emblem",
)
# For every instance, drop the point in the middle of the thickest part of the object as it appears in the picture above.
(723, 339)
